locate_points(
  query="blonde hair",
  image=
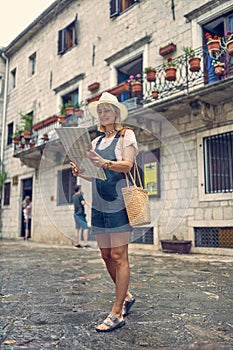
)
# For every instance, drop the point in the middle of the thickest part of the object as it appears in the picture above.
(116, 110)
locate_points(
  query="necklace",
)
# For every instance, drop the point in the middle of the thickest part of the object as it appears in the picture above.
(109, 132)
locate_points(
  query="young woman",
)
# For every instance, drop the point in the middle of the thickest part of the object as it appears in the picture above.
(114, 151)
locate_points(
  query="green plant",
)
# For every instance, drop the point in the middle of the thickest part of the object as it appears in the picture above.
(18, 132)
(28, 120)
(69, 104)
(189, 51)
(169, 63)
(149, 69)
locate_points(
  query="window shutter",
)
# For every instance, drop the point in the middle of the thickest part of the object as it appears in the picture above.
(76, 30)
(114, 8)
(61, 41)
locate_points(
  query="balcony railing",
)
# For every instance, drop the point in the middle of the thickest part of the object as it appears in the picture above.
(187, 81)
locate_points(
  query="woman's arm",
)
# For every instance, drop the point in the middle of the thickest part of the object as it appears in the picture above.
(121, 166)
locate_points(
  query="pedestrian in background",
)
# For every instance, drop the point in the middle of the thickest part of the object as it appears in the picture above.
(27, 212)
(114, 151)
(80, 218)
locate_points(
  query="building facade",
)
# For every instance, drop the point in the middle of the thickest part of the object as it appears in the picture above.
(75, 50)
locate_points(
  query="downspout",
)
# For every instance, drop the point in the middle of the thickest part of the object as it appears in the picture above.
(4, 109)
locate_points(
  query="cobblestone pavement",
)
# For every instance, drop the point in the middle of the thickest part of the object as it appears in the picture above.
(52, 297)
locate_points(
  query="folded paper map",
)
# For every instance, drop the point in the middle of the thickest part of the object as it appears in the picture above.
(76, 141)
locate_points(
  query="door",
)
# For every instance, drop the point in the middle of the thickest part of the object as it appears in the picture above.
(26, 191)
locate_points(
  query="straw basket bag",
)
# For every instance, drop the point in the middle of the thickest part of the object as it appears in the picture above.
(136, 200)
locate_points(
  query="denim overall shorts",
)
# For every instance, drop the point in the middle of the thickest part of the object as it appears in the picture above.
(108, 208)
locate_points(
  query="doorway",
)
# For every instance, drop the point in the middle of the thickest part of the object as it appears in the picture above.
(26, 191)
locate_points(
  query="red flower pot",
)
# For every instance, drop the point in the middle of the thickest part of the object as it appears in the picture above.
(230, 47)
(170, 73)
(194, 64)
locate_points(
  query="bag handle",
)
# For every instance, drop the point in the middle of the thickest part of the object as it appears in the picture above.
(136, 174)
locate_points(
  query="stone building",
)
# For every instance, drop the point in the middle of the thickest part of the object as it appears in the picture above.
(75, 50)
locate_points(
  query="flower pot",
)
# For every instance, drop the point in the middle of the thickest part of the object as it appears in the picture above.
(94, 86)
(194, 64)
(32, 144)
(136, 88)
(62, 119)
(78, 112)
(213, 46)
(27, 134)
(170, 74)
(230, 47)
(166, 50)
(219, 69)
(176, 246)
(69, 110)
(46, 137)
(16, 140)
(151, 75)
(155, 94)
(119, 89)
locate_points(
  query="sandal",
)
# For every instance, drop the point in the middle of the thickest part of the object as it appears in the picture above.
(112, 325)
(127, 306)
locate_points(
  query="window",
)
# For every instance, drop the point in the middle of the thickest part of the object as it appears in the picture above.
(68, 37)
(32, 65)
(10, 133)
(218, 162)
(13, 78)
(1, 86)
(65, 188)
(118, 6)
(219, 26)
(7, 192)
(124, 71)
(72, 96)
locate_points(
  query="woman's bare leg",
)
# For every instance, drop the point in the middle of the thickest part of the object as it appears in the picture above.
(116, 260)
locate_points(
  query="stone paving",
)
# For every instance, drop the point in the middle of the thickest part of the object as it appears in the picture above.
(53, 296)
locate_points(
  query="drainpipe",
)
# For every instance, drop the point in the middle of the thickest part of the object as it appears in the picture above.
(4, 108)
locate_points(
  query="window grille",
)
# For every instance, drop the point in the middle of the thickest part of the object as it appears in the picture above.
(218, 161)
(144, 235)
(213, 237)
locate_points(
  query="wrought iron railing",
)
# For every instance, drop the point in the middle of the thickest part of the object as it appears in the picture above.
(187, 81)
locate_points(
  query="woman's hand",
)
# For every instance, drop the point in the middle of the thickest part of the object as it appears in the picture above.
(95, 158)
(75, 170)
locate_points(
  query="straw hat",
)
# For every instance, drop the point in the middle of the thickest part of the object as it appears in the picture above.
(106, 97)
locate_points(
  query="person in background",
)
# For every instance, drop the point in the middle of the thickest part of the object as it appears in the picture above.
(114, 151)
(80, 218)
(27, 212)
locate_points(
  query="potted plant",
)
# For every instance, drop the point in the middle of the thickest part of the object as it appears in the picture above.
(175, 245)
(194, 62)
(69, 108)
(213, 43)
(27, 119)
(78, 109)
(16, 136)
(167, 49)
(45, 136)
(150, 73)
(229, 42)
(219, 68)
(170, 70)
(136, 84)
(155, 93)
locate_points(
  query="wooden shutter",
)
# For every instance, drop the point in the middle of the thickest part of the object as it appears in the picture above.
(61, 41)
(76, 30)
(114, 8)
